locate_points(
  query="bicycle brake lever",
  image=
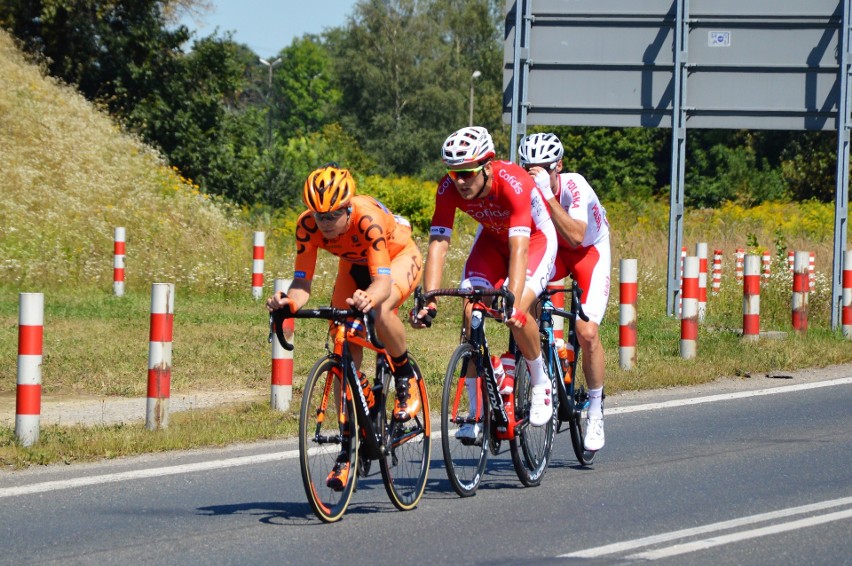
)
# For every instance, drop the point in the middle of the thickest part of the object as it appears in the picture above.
(277, 324)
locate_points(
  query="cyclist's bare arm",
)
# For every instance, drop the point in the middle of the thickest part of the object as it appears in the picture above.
(297, 296)
(377, 293)
(432, 274)
(435, 258)
(571, 229)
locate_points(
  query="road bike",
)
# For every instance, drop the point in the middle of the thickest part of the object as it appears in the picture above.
(470, 397)
(337, 429)
(572, 399)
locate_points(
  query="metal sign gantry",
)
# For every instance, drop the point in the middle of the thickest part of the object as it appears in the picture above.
(727, 64)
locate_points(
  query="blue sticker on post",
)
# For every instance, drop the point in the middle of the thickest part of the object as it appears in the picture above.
(718, 38)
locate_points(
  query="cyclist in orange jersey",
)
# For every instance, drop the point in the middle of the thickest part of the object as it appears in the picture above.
(379, 268)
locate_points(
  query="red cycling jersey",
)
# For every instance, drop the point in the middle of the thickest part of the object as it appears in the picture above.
(514, 207)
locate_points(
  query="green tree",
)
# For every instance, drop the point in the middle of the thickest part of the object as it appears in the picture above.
(404, 73)
(620, 163)
(725, 165)
(306, 90)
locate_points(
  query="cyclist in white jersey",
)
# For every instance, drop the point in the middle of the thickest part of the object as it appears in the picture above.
(584, 253)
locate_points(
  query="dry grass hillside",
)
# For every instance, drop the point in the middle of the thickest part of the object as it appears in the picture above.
(70, 176)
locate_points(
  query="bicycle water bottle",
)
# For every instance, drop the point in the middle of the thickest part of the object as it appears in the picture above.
(367, 389)
(566, 356)
(499, 371)
(508, 383)
(503, 383)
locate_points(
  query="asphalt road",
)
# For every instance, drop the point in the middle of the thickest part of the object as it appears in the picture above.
(723, 474)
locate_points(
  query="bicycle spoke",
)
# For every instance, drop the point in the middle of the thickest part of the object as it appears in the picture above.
(326, 439)
(462, 411)
(406, 465)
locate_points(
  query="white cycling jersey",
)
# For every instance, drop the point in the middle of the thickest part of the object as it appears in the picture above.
(580, 201)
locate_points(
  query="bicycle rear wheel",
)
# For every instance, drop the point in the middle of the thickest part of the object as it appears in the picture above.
(405, 466)
(532, 446)
(461, 405)
(327, 437)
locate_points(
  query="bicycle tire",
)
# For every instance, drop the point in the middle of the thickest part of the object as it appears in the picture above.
(577, 422)
(405, 465)
(322, 437)
(532, 446)
(464, 459)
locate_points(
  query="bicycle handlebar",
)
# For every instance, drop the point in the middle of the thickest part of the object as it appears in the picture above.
(473, 294)
(575, 290)
(278, 316)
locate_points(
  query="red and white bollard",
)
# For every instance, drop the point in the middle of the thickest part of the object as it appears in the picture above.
(282, 360)
(257, 265)
(701, 252)
(689, 318)
(717, 271)
(28, 394)
(846, 309)
(627, 313)
(811, 271)
(791, 255)
(767, 264)
(558, 301)
(680, 295)
(751, 298)
(160, 355)
(738, 266)
(800, 292)
(118, 262)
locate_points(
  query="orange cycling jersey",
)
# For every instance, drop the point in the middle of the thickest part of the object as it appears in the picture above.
(374, 238)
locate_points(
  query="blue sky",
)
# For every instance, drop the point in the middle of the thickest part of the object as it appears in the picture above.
(267, 26)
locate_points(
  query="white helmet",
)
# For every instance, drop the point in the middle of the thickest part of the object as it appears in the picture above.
(539, 149)
(467, 146)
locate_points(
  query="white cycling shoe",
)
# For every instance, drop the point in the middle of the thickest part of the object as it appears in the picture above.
(468, 431)
(593, 439)
(541, 405)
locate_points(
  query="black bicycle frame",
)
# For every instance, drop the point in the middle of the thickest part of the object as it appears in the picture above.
(478, 340)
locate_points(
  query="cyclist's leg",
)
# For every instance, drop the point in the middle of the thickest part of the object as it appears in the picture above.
(542, 254)
(486, 267)
(591, 268)
(406, 271)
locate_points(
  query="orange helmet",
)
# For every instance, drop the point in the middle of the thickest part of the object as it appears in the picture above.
(328, 188)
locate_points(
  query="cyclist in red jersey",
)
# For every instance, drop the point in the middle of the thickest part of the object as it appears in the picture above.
(515, 244)
(584, 253)
(379, 268)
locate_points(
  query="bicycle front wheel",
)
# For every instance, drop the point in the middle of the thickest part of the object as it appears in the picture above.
(405, 465)
(328, 441)
(465, 423)
(532, 445)
(577, 422)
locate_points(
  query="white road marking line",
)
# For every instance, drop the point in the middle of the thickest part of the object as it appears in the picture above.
(744, 535)
(148, 473)
(727, 396)
(713, 527)
(262, 458)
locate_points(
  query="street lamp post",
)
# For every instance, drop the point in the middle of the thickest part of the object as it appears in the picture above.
(269, 100)
(473, 77)
(269, 119)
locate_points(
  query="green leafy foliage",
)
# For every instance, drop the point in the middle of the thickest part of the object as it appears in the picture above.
(378, 94)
